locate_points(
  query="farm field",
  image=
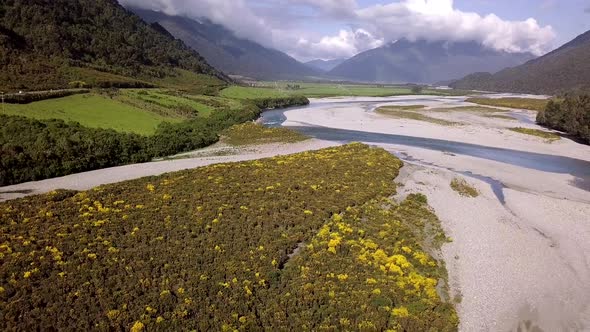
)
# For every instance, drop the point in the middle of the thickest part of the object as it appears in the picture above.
(94, 111)
(320, 90)
(229, 247)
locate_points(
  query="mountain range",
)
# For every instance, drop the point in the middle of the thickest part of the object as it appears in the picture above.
(51, 44)
(324, 65)
(227, 52)
(564, 69)
(421, 61)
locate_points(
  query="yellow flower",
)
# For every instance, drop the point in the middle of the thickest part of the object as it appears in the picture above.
(243, 320)
(151, 187)
(180, 290)
(137, 327)
(400, 312)
(159, 319)
(166, 197)
(342, 277)
(371, 281)
(112, 314)
(92, 256)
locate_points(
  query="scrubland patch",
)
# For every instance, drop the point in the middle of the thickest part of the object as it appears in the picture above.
(210, 249)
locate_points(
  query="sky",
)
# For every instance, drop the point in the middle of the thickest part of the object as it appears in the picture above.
(330, 29)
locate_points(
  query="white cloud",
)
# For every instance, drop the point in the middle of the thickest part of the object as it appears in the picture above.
(281, 24)
(439, 20)
(235, 15)
(335, 7)
(345, 44)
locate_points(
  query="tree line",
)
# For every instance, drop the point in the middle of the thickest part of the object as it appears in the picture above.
(570, 114)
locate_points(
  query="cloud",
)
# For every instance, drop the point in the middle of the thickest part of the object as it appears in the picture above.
(333, 7)
(346, 43)
(298, 27)
(235, 15)
(587, 10)
(439, 20)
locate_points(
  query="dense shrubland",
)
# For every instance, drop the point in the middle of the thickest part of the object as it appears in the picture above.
(251, 133)
(229, 247)
(26, 98)
(570, 114)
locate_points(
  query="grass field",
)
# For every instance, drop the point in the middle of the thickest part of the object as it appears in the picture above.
(402, 112)
(550, 137)
(167, 103)
(319, 90)
(301, 242)
(92, 110)
(520, 103)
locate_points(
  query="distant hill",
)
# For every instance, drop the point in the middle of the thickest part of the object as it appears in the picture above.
(324, 65)
(421, 61)
(566, 68)
(227, 52)
(48, 44)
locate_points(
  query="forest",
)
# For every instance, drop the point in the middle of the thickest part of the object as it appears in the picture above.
(570, 114)
(227, 247)
(40, 41)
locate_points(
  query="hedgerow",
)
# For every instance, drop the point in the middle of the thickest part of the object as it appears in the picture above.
(226, 247)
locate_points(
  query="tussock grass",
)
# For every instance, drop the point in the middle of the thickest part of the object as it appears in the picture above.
(520, 103)
(499, 116)
(468, 109)
(463, 188)
(550, 137)
(251, 133)
(400, 113)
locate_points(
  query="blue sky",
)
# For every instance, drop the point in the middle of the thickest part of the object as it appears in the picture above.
(327, 29)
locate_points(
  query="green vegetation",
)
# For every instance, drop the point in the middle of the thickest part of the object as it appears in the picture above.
(400, 113)
(251, 133)
(94, 111)
(320, 90)
(470, 109)
(231, 246)
(464, 188)
(550, 137)
(520, 103)
(113, 49)
(571, 115)
(499, 116)
(564, 69)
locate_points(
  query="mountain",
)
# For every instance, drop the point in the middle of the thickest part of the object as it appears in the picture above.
(225, 51)
(48, 44)
(566, 68)
(324, 65)
(422, 61)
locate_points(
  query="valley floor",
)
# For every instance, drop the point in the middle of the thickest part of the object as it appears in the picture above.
(520, 255)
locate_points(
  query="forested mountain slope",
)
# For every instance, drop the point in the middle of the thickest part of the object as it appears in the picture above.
(48, 44)
(566, 68)
(227, 52)
(422, 61)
